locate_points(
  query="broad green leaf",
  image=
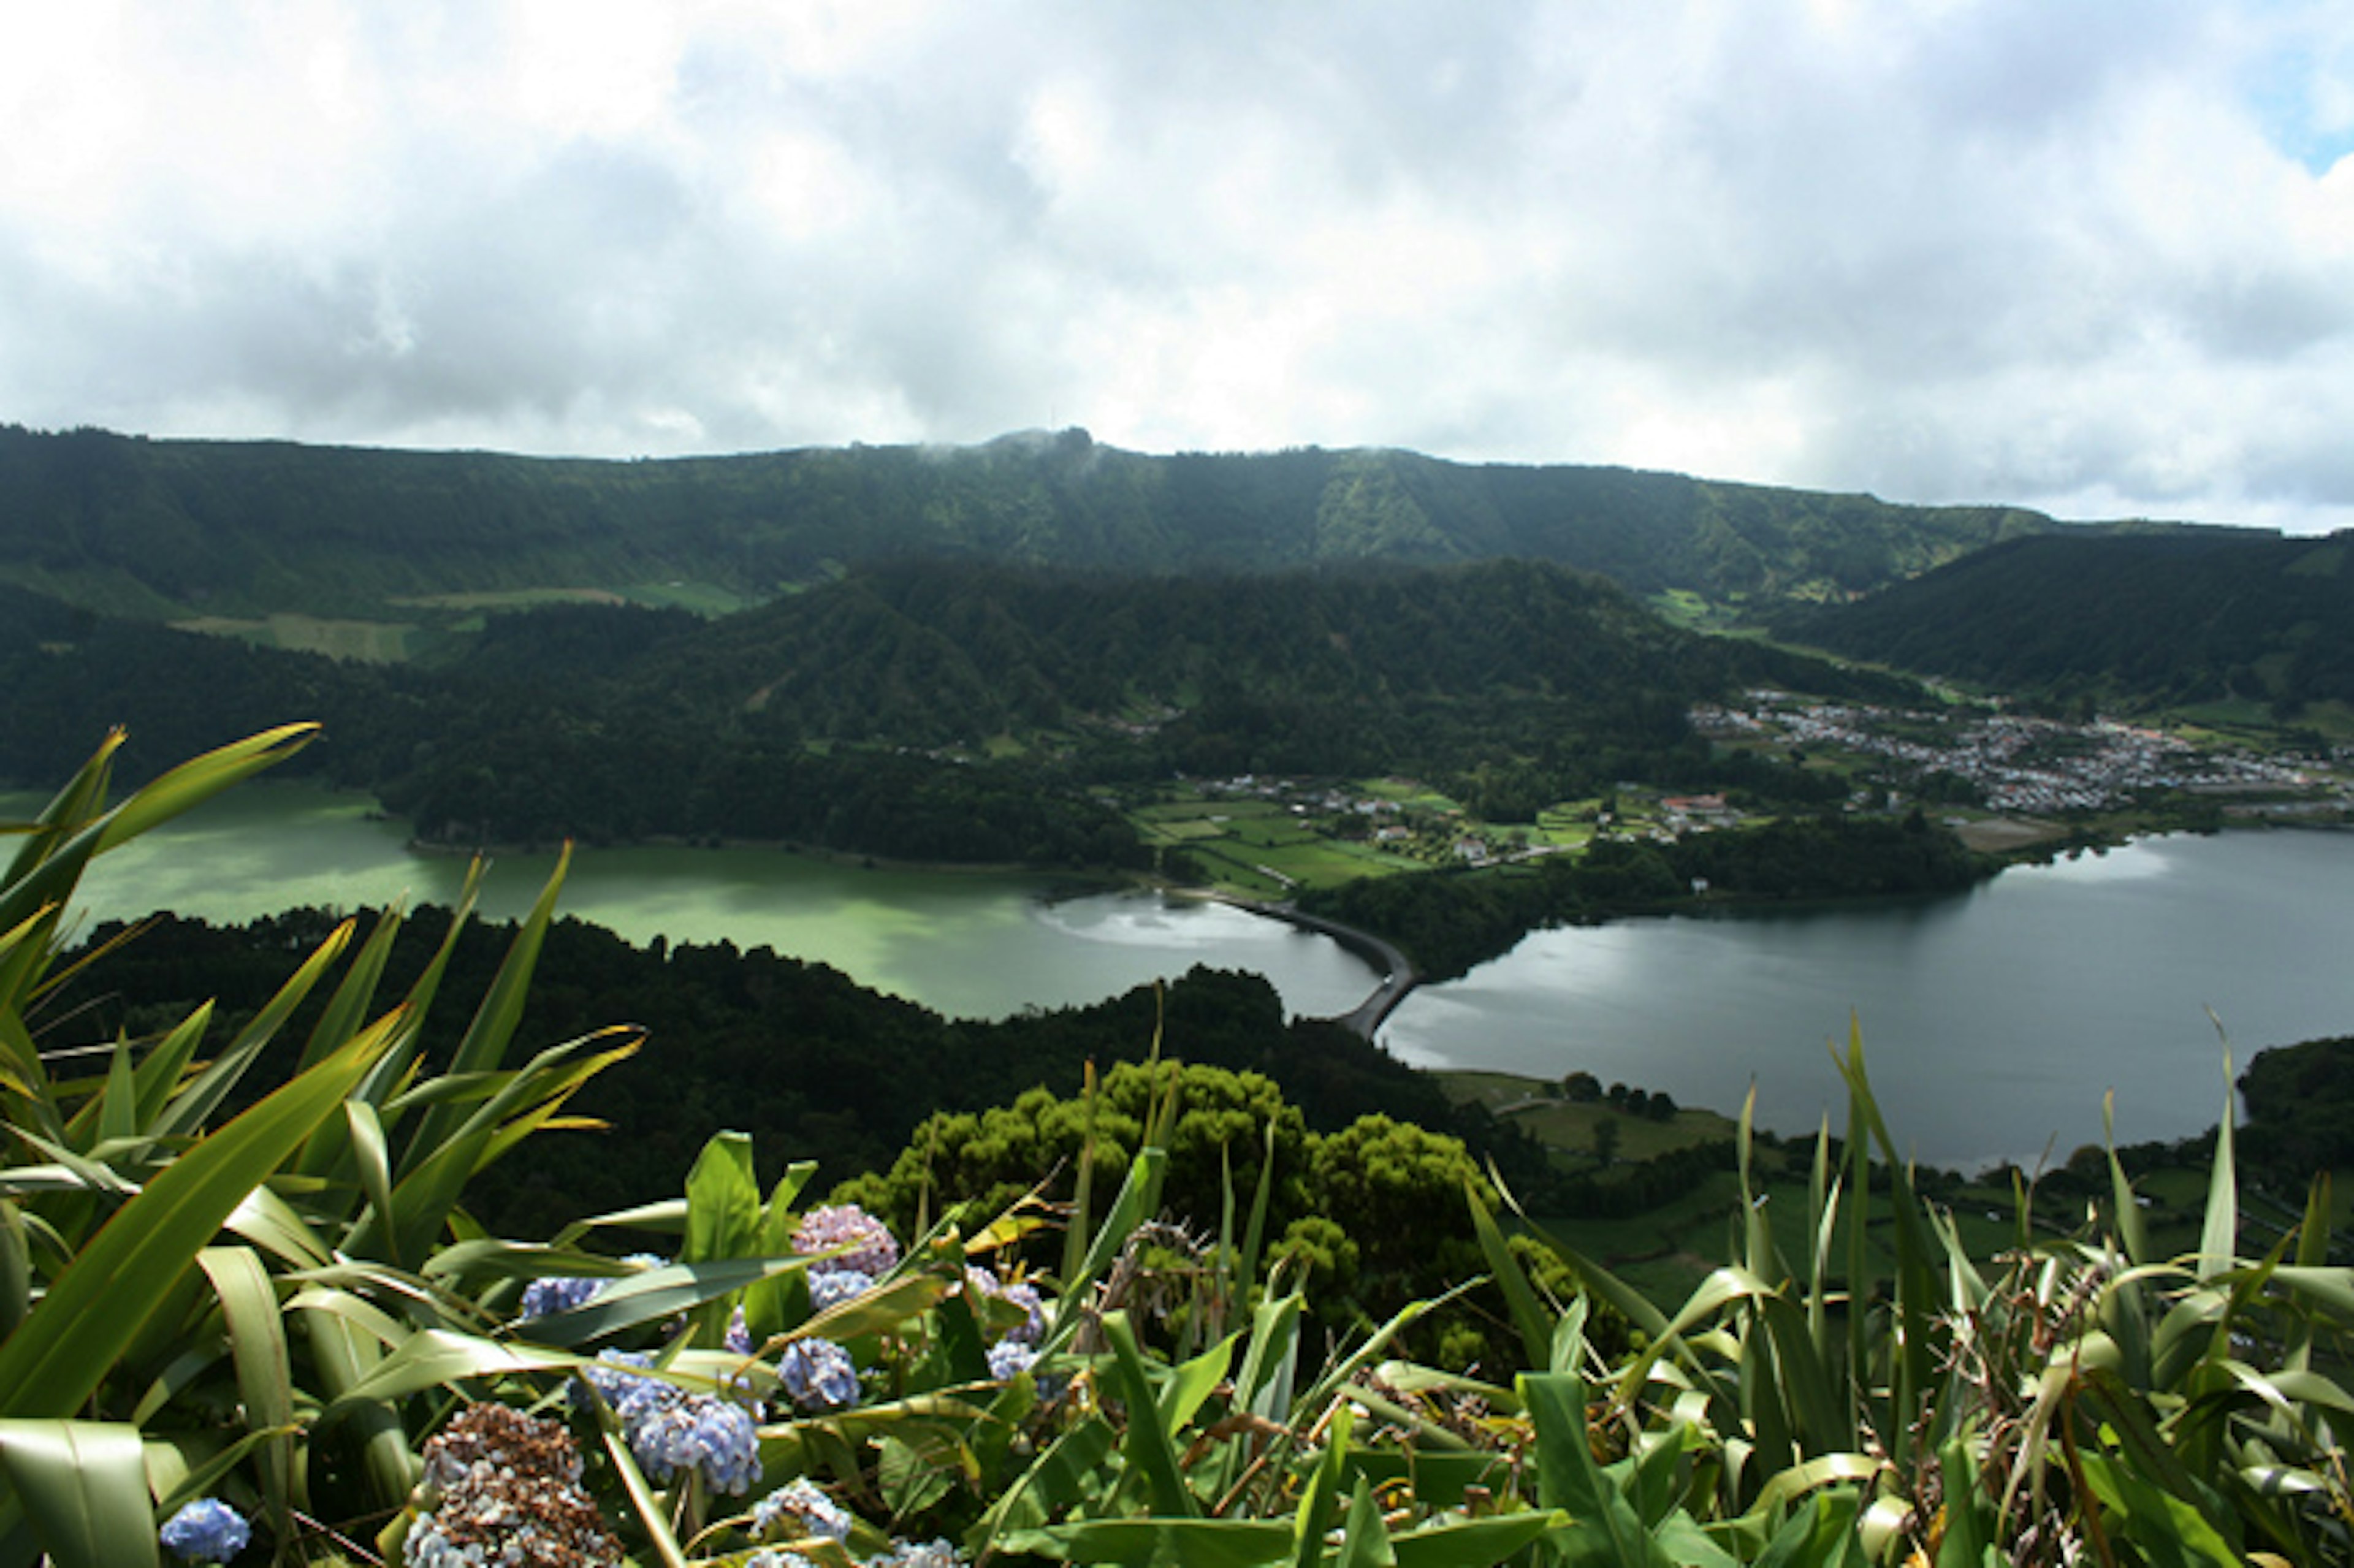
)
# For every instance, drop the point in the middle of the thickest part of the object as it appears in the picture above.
(1606, 1531)
(723, 1216)
(84, 1486)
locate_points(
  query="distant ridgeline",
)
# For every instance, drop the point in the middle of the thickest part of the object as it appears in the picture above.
(2182, 616)
(934, 710)
(166, 529)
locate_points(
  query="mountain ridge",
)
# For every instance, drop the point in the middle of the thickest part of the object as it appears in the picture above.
(168, 529)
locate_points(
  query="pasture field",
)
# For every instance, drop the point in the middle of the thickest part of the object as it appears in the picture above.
(359, 642)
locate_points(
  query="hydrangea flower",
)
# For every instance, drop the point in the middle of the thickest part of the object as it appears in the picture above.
(205, 1530)
(1009, 1359)
(507, 1490)
(936, 1552)
(557, 1293)
(872, 1250)
(622, 1389)
(697, 1432)
(819, 1374)
(1032, 1327)
(800, 1508)
(738, 1338)
(831, 1287)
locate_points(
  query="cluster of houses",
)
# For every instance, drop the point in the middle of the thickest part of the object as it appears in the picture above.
(2013, 763)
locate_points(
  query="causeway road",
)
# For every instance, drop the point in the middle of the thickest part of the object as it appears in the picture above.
(1398, 974)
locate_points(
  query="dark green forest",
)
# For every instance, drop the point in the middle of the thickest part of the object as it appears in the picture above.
(812, 1064)
(2163, 619)
(168, 528)
(1450, 920)
(935, 711)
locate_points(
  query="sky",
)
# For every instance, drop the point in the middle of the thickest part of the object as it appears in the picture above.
(2090, 256)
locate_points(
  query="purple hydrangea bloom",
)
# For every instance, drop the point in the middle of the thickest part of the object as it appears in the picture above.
(831, 1287)
(206, 1531)
(1009, 1359)
(738, 1338)
(697, 1432)
(872, 1250)
(818, 1375)
(800, 1508)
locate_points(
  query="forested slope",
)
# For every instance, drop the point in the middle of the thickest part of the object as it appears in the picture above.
(926, 711)
(2163, 618)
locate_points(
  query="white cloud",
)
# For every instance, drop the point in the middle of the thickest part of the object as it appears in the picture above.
(1979, 249)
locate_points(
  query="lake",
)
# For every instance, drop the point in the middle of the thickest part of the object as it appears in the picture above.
(1994, 1020)
(978, 945)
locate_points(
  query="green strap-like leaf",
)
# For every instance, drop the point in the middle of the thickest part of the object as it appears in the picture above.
(1180, 1542)
(265, 1381)
(494, 1020)
(84, 1486)
(1529, 1316)
(1151, 1447)
(95, 1308)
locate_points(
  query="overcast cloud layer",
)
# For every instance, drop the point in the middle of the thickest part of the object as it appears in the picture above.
(2094, 257)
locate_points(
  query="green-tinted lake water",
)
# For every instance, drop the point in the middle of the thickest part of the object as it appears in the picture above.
(1995, 1020)
(969, 944)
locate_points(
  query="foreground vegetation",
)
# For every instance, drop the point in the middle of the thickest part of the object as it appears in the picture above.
(291, 1311)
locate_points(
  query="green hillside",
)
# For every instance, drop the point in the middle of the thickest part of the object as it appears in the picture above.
(2173, 620)
(172, 529)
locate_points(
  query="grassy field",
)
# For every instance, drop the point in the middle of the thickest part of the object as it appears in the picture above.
(361, 642)
(1260, 848)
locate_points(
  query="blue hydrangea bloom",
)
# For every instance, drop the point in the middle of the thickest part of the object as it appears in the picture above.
(622, 1388)
(936, 1553)
(557, 1293)
(697, 1432)
(819, 1374)
(831, 1287)
(205, 1530)
(1009, 1359)
(800, 1508)
(738, 1338)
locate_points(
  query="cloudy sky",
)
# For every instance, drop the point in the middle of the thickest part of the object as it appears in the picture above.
(2095, 256)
